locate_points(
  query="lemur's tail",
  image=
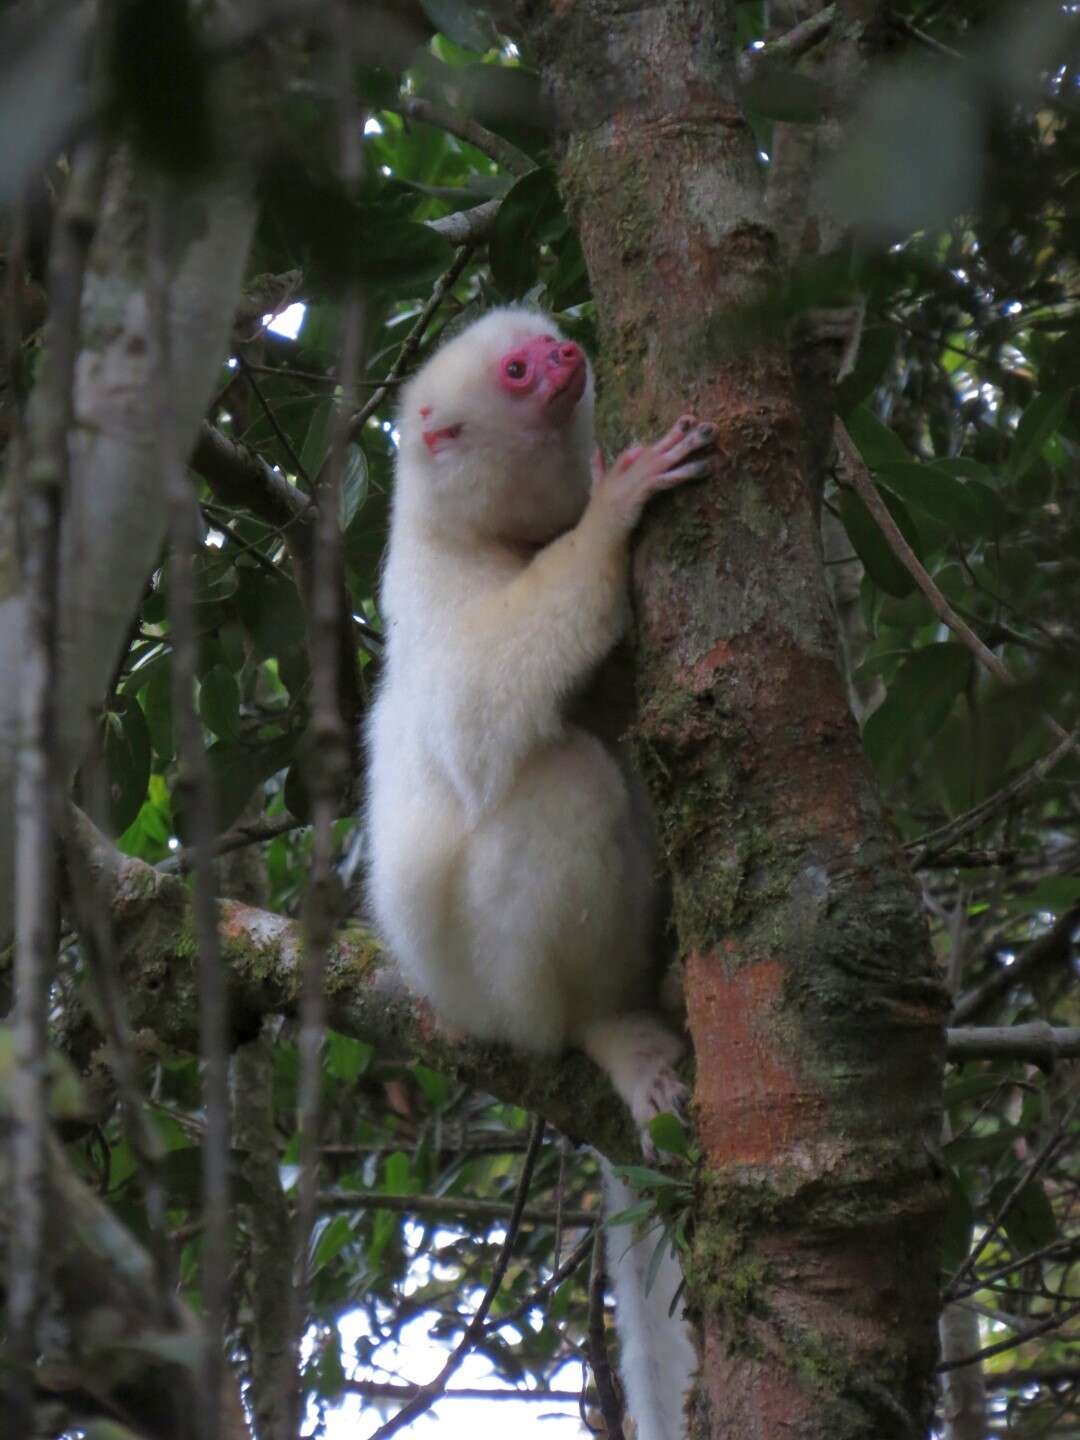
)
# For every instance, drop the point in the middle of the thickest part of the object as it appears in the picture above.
(658, 1359)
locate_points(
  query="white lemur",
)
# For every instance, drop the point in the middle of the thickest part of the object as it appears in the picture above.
(512, 858)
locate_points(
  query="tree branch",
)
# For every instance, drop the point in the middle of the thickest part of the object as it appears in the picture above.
(1053, 948)
(858, 476)
(426, 1395)
(610, 1402)
(426, 112)
(467, 227)
(411, 343)
(366, 997)
(1041, 1044)
(927, 846)
(445, 1207)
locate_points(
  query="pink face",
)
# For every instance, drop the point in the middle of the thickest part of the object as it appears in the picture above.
(546, 375)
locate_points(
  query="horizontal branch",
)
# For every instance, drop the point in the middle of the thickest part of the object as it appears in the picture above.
(467, 227)
(448, 1207)
(1040, 1044)
(366, 997)
(426, 112)
(394, 1390)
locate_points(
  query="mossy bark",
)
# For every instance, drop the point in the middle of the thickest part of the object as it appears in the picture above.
(813, 1002)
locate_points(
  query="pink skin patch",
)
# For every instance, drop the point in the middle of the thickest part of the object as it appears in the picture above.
(548, 372)
(437, 440)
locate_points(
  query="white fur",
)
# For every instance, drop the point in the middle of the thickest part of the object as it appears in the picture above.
(658, 1357)
(511, 868)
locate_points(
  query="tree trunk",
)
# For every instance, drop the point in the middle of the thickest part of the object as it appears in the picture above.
(813, 1003)
(114, 516)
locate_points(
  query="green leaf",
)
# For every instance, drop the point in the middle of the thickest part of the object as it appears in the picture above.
(333, 1237)
(875, 355)
(235, 770)
(936, 492)
(993, 512)
(107, 1430)
(158, 70)
(398, 255)
(959, 1223)
(1030, 1222)
(531, 214)
(128, 754)
(316, 444)
(871, 546)
(750, 22)
(436, 1087)
(398, 1177)
(642, 1178)
(219, 702)
(346, 1059)
(569, 285)
(874, 441)
(354, 485)
(669, 1134)
(916, 707)
(781, 93)
(1039, 421)
(633, 1215)
(656, 1259)
(459, 22)
(157, 703)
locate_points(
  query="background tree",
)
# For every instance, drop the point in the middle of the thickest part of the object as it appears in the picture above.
(798, 215)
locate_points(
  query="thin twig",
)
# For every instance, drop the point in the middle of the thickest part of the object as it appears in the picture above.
(966, 860)
(1037, 1163)
(577, 1257)
(42, 473)
(800, 38)
(426, 1395)
(310, 377)
(607, 1393)
(1056, 1250)
(1053, 1322)
(282, 439)
(96, 933)
(905, 26)
(934, 841)
(858, 476)
(426, 112)
(181, 861)
(411, 343)
(445, 1207)
(193, 787)
(1054, 946)
(330, 748)
(395, 1390)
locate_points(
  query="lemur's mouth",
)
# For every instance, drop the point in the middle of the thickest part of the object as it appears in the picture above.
(565, 395)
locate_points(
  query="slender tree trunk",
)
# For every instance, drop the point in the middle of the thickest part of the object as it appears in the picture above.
(813, 1003)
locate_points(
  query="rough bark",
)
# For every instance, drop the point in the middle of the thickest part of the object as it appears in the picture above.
(813, 1005)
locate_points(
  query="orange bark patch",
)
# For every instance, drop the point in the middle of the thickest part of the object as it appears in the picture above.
(752, 1104)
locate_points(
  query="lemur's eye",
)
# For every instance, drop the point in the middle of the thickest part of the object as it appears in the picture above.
(515, 369)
